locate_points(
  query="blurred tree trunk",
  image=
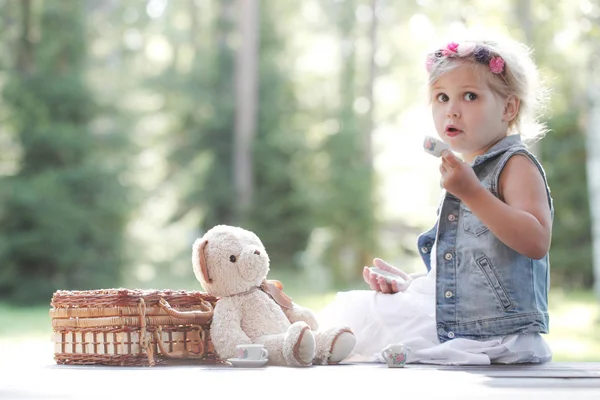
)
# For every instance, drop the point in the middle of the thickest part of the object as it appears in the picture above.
(282, 211)
(25, 49)
(370, 122)
(212, 86)
(593, 176)
(246, 84)
(593, 153)
(347, 209)
(366, 251)
(524, 16)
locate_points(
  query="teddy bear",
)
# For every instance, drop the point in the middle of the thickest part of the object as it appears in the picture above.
(231, 263)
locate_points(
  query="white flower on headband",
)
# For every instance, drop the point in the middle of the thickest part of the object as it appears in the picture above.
(466, 49)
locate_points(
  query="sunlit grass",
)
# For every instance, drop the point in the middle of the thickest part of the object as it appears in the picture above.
(23, 323)
(574, 326)
(574, 323)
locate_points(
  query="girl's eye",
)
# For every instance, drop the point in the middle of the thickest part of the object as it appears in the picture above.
(470, 96)
(232, 259)
(442, 97)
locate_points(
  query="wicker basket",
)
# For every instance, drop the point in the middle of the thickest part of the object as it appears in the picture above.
(132, 327)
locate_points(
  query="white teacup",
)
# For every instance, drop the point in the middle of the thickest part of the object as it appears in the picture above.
(395, 355)
(254, 352)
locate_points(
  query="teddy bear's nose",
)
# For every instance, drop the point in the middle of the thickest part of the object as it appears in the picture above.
(257, 252)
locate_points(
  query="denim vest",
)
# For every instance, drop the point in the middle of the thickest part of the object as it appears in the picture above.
(483, 287)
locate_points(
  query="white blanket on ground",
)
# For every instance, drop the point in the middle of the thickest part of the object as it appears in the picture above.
(408, 317)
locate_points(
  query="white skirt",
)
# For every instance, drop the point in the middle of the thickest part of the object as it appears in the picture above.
(408, 317)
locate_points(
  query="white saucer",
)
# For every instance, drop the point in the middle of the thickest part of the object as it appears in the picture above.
(240, 362)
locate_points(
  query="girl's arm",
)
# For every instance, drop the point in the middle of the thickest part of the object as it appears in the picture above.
(522, 219)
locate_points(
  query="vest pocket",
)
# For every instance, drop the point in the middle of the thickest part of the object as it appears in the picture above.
(471, 224)
(486, 267)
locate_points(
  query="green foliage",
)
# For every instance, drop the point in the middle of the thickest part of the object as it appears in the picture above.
(571, 251)
(202, 142)
(347, 207)
(63, 213)
(216, 193)
(203, 145)
(281, 214)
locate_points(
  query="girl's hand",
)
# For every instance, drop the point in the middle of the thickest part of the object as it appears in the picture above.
(458, 177)
(380, 283)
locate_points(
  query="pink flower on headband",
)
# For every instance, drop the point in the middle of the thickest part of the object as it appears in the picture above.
(451, 48)
(479, 53)
(497, 65)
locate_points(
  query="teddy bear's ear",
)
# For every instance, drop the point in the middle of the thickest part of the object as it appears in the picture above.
(203, 264)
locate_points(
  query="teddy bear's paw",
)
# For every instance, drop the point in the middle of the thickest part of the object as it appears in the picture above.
(341, 347)
(300, 345)
(333, 345)
(306, 346)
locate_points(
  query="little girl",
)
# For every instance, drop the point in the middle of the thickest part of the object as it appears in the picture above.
(485, 297)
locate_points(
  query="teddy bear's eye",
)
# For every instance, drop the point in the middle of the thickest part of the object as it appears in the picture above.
(232, 259)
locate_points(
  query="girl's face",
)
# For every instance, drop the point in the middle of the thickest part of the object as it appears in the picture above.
(467, 114)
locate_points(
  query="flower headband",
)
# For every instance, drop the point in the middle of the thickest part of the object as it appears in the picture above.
(479, 53)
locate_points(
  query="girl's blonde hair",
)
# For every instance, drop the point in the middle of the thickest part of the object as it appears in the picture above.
(511, 72)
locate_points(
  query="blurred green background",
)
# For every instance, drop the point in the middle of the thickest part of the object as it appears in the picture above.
(130, 127)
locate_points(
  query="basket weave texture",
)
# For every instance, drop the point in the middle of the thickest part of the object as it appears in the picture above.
(132, 327)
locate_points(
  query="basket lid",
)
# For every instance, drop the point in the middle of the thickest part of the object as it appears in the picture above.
(127, 297)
